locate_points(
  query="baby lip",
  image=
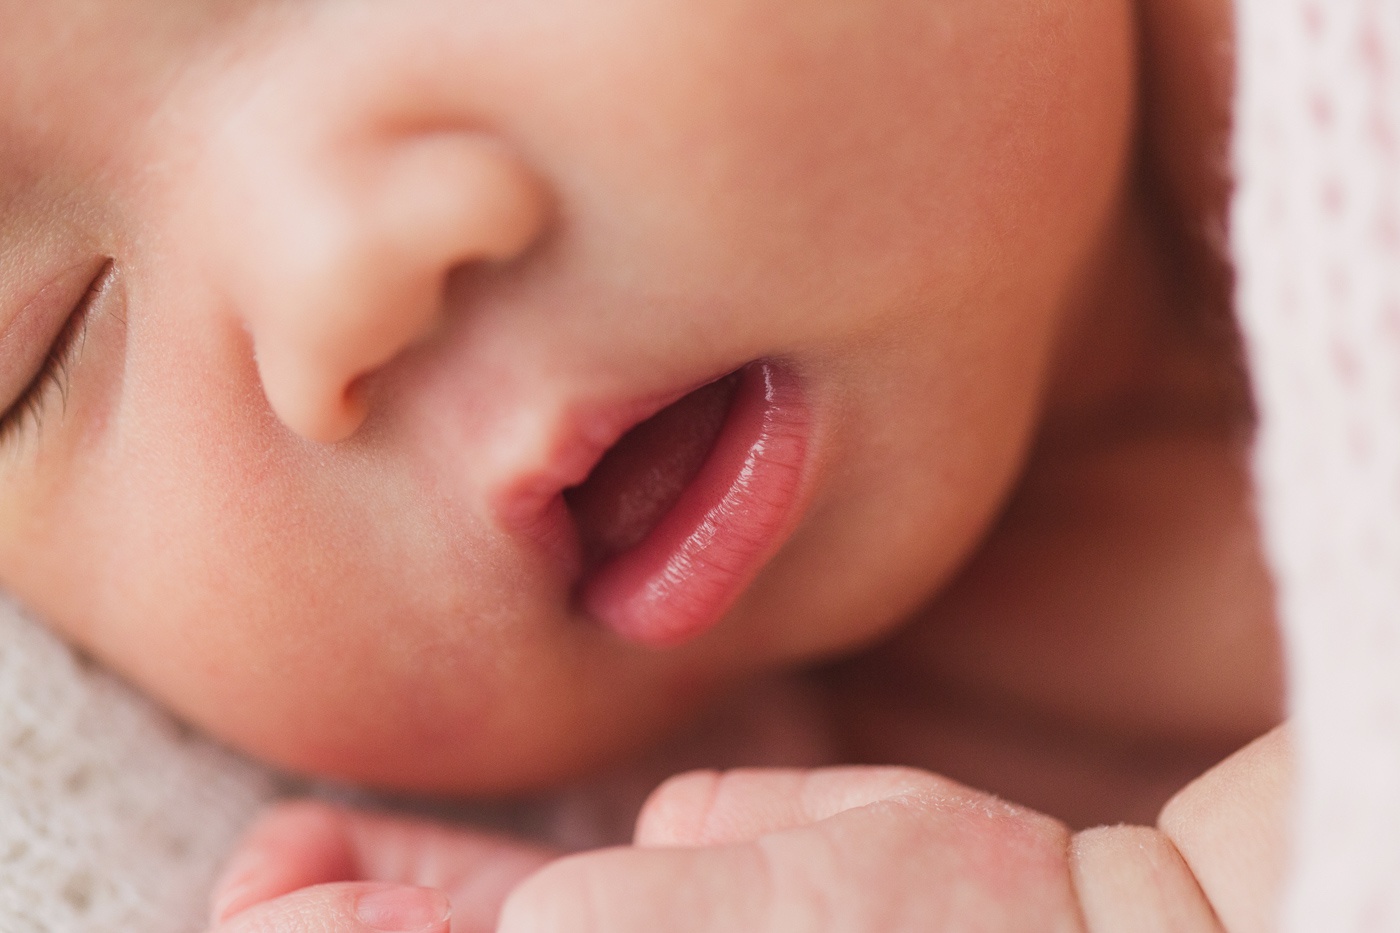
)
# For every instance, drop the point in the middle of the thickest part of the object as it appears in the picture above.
(704, 544)
(701, 555)
(643, 475)
(532, 503)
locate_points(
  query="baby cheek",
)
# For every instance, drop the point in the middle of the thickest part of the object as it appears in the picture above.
(253, 586)
(313, 607)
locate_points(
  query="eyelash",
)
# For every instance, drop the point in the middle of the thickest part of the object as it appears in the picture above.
(55, 373)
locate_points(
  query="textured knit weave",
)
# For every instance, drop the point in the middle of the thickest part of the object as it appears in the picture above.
(1317, 242)
(112, 819)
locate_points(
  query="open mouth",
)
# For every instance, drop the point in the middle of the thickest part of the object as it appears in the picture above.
(675, 519)
(641, 477)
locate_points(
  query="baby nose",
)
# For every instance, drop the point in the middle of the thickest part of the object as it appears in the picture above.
(355, 256)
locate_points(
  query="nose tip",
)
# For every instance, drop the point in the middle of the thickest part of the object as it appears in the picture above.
(360, 274)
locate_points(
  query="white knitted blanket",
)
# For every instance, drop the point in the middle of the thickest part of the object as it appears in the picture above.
(112, 819)
(1317, 242)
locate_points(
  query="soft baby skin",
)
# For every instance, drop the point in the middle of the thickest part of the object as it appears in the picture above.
(470, 397)
(387, 277)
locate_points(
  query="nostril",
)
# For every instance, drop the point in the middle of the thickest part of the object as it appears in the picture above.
(367, 277)
(320, 406)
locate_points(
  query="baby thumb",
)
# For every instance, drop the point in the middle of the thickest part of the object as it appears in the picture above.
(347, 908)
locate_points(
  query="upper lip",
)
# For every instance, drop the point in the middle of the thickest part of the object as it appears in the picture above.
(529, 501)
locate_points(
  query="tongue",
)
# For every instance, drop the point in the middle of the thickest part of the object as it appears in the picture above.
(643, 475)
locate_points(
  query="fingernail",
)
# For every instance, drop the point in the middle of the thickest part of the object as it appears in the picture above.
(402, 910)
(233, 886)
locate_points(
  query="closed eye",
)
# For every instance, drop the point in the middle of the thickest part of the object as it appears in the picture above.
(51, 381)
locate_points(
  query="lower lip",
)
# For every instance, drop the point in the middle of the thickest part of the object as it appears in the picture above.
(688, 570)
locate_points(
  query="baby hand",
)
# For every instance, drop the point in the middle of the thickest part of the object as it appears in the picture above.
(879, 850)
(857, 850)
(848, 849)
(309, 867)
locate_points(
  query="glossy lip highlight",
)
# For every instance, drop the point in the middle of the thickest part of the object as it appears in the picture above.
(707, 548)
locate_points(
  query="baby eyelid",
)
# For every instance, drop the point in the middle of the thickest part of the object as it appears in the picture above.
(53, 372)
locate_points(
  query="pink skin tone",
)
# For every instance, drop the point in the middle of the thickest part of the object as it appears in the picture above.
(839, 848)
(273, 187)
(386, 298)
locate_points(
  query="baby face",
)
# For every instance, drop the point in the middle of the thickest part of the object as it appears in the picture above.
(446, 394)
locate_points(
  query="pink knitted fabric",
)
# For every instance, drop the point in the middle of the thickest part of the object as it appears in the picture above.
(1316, 236)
